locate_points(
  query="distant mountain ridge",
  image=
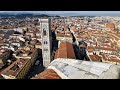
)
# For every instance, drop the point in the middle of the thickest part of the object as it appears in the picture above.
(23, 15)
(64, 13)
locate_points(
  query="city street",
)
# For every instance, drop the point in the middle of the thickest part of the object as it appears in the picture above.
(35, 69)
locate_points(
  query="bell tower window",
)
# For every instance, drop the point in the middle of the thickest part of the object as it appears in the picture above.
(44, 32)
(45, 42)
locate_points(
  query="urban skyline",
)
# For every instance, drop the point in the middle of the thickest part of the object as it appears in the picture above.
(69, 13)
(51, 47)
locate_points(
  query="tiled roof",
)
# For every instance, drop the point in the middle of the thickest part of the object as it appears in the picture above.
(95, 58)
(47, 74)
(111, 25)
(107, 48)
(15, 67)
(60, 35)
(28, 53)
(65, 51)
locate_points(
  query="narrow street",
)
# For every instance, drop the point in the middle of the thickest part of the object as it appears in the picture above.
(35, 69)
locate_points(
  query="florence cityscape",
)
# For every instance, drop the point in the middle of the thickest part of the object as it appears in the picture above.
(59, 44)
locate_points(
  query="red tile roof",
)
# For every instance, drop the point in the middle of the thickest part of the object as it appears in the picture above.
(105, 48)
(9, 70)
(95, 58)
(111, 25)
(60, 35)
(65, 51)
(47, 74)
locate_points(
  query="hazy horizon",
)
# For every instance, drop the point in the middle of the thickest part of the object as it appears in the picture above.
(69, 13)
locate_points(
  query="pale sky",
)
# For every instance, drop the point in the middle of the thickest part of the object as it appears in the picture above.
(68, 13)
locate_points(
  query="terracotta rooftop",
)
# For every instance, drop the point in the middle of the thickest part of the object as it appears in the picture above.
(111, 58)
(65, 51)
(95, 58)
(24, 53)
(107, 48)
(15, 67)
(64, 35)
(110, 25)
(60, 35)
(47, 74)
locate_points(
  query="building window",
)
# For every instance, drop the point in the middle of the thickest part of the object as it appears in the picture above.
(44, 32)
(44, 42)
(46, 50)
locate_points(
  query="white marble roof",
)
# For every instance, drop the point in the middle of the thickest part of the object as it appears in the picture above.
(78, 69)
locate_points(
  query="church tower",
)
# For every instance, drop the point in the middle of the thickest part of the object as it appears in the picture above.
(46, 41)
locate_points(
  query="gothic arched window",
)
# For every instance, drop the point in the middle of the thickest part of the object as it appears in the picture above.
(44, 32)
(44, 42)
